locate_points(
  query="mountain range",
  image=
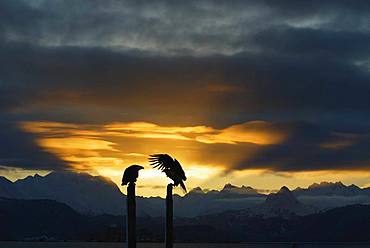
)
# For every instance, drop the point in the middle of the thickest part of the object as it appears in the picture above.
(83, 192)
(330, 189)
(94, 195)
(48, 220)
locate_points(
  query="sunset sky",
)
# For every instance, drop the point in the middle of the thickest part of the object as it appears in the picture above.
(259, 93)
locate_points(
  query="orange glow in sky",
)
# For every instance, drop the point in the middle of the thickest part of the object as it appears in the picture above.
(108, 149)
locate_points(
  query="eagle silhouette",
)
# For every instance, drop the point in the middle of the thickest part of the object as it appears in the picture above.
(131, 174)
(171, 167)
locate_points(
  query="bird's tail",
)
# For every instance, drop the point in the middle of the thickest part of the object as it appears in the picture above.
(183, 186)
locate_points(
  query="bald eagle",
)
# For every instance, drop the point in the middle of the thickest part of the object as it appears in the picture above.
(131, 174)
(171, 167)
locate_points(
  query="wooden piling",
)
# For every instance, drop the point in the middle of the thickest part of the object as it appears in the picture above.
(131, 216)
(169, 217)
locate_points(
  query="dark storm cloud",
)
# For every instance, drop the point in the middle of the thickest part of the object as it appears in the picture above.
(18, 18)
(35, 76)
(204, 62)
(19, 149)
(170, 27)
(309, 147)
(309, 42)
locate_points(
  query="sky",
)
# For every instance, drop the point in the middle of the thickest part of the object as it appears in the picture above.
(259, 93)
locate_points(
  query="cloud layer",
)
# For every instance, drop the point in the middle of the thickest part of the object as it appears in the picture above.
(276, 146)
(278, 85)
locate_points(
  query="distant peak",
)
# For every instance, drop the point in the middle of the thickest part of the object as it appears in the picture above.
(247, 187)
(229, 186)
(245, 190)
(197, 190)
(28, 178)
(326, 184)
(354, 186)
(283, 198)
(68, 174)
(4, 179)
(284, 189)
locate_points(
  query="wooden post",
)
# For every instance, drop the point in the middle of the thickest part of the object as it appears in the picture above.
(169, 217)
(131, 217)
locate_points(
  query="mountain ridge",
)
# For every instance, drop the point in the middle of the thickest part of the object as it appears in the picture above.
(81, 191)
(97, 195)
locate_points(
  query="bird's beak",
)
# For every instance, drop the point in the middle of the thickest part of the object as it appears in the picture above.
(141, 168)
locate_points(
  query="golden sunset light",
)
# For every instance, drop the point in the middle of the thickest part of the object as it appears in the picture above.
(108, 148)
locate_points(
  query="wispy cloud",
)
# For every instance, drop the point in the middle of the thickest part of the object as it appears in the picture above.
(276, 146)
(256, 132)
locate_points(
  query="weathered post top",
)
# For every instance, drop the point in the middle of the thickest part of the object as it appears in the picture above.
(129, 178)
(169, 217)
(131, 216)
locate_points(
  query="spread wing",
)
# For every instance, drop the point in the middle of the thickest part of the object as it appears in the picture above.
(162, 161)
(170, 166)
(179, 171)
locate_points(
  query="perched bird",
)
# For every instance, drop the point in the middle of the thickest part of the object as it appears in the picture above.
(131, 174)
(171, 167)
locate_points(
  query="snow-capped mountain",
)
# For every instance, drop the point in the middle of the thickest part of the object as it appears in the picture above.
(330, 189)
(83, 192)
(243, 190)
(285, 203)
(198, 202)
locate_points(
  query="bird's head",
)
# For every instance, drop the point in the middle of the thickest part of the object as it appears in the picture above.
(137, 167)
